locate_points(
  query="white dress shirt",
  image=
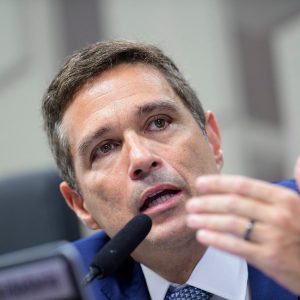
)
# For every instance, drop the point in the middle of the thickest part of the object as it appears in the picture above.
(222, 274)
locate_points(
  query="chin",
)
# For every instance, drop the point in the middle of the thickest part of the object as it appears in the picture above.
(173, 235)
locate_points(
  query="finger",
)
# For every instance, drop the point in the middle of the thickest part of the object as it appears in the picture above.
(232, 205)
(297, 172)
(227, 224)
(251, 188)
(228, 243)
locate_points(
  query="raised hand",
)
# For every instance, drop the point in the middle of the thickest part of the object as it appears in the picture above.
(256, 220)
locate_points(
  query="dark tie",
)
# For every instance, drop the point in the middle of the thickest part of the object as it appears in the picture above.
(188, 292)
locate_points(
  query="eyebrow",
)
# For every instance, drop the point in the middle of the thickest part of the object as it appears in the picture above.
(165, 105)
(85, 144)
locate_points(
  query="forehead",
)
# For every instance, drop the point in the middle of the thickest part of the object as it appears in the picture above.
(123, 80)
(114, 94)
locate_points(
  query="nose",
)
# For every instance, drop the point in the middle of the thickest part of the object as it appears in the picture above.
(142, 160)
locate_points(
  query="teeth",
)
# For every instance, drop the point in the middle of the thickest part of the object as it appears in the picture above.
(160, 199)
(152, 195)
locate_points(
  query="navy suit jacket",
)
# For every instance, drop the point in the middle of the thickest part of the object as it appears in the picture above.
(129, 282)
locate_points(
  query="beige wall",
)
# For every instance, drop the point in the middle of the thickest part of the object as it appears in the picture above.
(28, 57)
(286, 54)
(201, 36)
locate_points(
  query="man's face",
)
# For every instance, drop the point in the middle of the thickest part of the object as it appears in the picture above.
(136, 149)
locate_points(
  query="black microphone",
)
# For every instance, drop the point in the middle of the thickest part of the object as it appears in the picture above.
(117, 250)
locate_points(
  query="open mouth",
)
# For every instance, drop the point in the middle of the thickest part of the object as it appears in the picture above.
(158, 197)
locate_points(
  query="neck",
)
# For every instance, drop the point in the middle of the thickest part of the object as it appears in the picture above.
(175, 265)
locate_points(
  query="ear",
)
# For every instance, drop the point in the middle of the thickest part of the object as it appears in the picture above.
(77, 204)
(214, 138)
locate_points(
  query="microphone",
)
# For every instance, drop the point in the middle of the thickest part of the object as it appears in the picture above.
(116, 251)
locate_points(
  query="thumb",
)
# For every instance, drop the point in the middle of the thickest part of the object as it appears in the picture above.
(297, 172)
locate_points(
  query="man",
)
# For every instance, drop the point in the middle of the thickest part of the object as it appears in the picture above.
(130, 136)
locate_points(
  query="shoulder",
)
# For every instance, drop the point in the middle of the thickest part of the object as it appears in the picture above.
(289, 183)
(90, 245)
(263, 287)
(97, 239)
(126, 283)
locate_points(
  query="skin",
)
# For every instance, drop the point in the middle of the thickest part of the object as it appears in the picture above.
(144, 139)
(221, 214)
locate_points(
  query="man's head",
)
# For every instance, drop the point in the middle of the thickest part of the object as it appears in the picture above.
(90, 62)
(130, 137)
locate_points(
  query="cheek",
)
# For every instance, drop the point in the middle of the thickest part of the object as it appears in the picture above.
(105, 198)
(195, 156)
(100, 199)
(106, 187)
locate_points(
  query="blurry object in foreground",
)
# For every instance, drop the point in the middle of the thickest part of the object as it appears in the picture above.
(51, 271)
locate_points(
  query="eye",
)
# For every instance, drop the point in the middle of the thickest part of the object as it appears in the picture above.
(103, 149)
(106, 148)
(158, 123)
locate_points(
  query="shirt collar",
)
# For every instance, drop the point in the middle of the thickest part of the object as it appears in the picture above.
(217, 272)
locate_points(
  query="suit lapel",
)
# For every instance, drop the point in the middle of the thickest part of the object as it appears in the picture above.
(128, 283)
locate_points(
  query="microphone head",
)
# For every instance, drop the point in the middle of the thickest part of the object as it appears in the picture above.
(117, 250)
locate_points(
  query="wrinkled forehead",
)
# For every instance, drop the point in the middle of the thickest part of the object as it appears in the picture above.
(123, 88)
(123, 73)
(120, 81)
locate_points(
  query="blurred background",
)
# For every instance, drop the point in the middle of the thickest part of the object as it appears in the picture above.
(242, 57)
